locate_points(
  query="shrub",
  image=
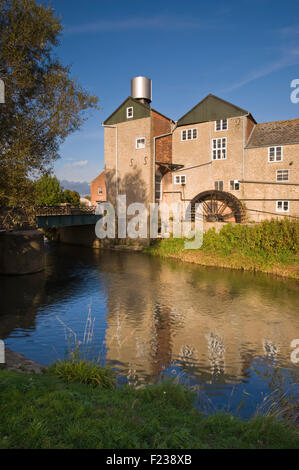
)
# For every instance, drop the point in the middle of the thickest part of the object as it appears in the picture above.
(79, 370)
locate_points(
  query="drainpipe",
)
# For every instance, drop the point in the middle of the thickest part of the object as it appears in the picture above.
(116, 156)
(154, 159)
(243, 149)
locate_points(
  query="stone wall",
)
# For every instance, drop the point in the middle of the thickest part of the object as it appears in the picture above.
(21, 252)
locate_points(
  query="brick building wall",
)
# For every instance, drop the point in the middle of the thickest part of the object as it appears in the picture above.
(98, 189)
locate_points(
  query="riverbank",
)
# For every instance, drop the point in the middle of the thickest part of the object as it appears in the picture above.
(45, 412)
(271, 247)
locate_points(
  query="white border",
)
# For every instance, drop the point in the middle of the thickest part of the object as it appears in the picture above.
(275, 147)
(130, 117)
(281, 181)
(212, 148)
(221, 130)
(281, 210)
(141, 138)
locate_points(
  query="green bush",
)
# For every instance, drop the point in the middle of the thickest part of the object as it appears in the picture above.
(81, 371)
(270, 238)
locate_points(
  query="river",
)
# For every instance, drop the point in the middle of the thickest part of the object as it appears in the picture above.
(225, 333)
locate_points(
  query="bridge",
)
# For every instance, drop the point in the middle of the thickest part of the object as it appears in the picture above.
(66, 216)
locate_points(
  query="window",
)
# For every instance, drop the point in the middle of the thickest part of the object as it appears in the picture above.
(219, 149)
(234, 185)
(282, 206)
(221, 125)
(180, 179)
(275, 154)
(100, 191)
(158, 186)
(129, 112)
(219, 185)
(140, 143)
(189, 134)
(282, 175)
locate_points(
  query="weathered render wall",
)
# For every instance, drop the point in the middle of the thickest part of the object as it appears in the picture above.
(196, 155)
(260, 188)
(134, 165)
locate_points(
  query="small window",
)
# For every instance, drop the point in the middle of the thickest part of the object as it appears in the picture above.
(140, 143)
(282, 175)
(219, 149)
(275, 154)
(219, 185)
(180, 179)
(189, 134)
(158, 187)
(100, 191)
(129, 112)
(221, 125)
(282, 206)
(234, 185)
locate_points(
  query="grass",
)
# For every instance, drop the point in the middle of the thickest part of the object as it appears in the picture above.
(271, 247)
(47, 412)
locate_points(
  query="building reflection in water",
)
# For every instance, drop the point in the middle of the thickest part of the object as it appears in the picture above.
(209, 323)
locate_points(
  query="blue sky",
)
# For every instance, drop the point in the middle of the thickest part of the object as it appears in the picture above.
(245, 51)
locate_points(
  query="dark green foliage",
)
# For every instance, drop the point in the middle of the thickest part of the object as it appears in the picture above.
(71, 197)
(43, 103)
(48, 191)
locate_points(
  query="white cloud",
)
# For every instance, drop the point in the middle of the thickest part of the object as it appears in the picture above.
(80, 163)
(158, 22)
(290, 58)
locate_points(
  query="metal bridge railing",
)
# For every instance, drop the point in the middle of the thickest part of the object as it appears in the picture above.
(64, 209)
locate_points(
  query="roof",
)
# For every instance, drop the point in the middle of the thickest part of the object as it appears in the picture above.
(211, 108)
(275, 133)
(102, 174)
(119, 115)
(143, 110)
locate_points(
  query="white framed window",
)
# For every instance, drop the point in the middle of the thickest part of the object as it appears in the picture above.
(282, 175)
(221, 125)
(140, 143)
(219, 148)
(275, 154)
(219, 185)
(189, 134)
(130, 112)
(100, 191)
(179, 179)
(282, 206)
(158, 186)
(234, 185)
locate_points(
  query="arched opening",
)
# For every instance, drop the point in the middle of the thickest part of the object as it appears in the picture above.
(219, 206)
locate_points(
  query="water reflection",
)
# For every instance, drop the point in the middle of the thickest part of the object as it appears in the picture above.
(212, 327)
(208, 321)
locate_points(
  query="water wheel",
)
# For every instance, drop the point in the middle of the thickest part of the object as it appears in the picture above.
(218, 206)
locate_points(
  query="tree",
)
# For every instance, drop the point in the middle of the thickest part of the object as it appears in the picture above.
(44, 104)
(48, 191)
(72, 197)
